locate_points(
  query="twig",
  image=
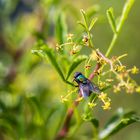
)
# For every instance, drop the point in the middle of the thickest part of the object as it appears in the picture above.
(97, 67)
(63, 132)
(105, 59)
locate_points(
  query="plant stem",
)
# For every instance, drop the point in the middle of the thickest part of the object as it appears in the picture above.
(63, 132)
(127, 7)
(95, 71)
(113, 41)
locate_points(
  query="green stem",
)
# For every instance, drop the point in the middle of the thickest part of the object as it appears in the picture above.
(90, 39)
(113, 41)
(127, 7)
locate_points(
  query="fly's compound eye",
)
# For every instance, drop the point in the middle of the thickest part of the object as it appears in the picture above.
(81, 79)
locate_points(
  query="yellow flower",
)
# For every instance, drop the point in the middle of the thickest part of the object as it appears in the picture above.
(58, 47)
(85, 39)
(106, 106)
(134, 70)
(138, 89)
(130, 88)
(103, 96)
(91, 105)
(120, 68)
(94, 55)
(106, 100)
(63, 99)
(102, 84)
(69, 37)
(116, 88)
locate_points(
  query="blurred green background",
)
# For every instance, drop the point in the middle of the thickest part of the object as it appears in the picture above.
(30, 89)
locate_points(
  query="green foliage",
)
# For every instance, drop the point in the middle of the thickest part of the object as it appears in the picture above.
(61, 28)
(75, 63)
(117, 122)
(111, 19)
(128, 5)
(52, 59)
(38, 99)
(92, 23)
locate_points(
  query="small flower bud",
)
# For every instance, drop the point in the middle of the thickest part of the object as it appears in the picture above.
(69, 36)
(85, 39)
(138, 89)
(106, 106)
(134, 70)
(91, 105)
(116, 88)
(88, 66)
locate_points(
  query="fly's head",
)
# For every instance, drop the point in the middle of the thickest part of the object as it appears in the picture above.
(79, 78)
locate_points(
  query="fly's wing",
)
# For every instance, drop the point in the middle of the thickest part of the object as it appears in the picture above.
(84, 90)
(93, 87)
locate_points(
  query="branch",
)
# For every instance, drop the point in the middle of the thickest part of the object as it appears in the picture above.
(105, 59)
(95, 71)
(63, 132)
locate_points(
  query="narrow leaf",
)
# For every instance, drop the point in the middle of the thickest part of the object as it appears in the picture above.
(39, 53)
(49, 52)
(85, 18)
(111, 19)
(61, 28)
(89, 118)
(7, 127)
(117, 122)
(79, 22)
(92, 23)
(95, 122)
(127, 7)
(125, 12)
(77, 61)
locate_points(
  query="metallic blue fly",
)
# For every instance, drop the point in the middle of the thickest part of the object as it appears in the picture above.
(85, 85)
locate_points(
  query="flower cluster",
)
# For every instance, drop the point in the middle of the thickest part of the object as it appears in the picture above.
(91, 104)
(125, 81)
(73, 46)
(117, 69)
(106, 100)
(116, 75)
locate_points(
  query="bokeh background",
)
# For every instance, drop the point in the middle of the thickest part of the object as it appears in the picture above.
(30, 89)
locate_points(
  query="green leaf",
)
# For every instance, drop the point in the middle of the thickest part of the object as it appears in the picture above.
(79, 22)
(95, 122)
(89, 118)
(92, 23)
(6, 127)
(85, 18)
(39, 53)
(126, 9)
(37, 111)
(46, 51)
(61, 28)
(49, 52)
(77, 61)
(111, 19)
(117, 122)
